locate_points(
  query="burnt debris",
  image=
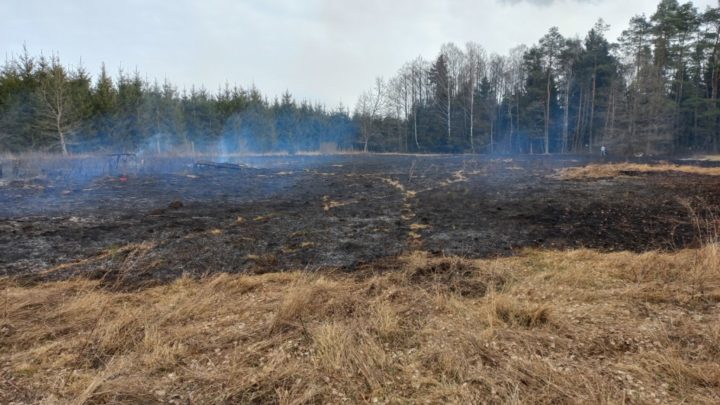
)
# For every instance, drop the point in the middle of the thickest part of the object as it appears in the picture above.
(202, 165)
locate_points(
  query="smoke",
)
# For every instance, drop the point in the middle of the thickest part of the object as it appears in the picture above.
(254, 130)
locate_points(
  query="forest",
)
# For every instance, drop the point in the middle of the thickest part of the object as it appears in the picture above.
(653, 91)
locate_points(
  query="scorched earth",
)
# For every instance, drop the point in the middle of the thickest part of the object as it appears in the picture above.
(153, 222)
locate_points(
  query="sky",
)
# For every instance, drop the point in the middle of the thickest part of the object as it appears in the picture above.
(325, 51)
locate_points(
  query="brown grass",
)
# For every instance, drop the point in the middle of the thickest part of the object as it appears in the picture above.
(596, 171)
(542, 327)
(712, 158)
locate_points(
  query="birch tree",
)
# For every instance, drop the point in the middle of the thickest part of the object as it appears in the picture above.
(57, 112)
(368, 109)
(418, 76)
(515, 75)
(473, 71)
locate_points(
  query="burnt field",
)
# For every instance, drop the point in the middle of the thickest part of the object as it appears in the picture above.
(153, 222)
(360, 279)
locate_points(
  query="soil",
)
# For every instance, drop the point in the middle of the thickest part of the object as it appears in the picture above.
(152, 223)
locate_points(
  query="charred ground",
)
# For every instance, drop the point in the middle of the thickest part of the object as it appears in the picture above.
(347, 212)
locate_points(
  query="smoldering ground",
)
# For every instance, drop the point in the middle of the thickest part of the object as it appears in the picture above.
(329, 212)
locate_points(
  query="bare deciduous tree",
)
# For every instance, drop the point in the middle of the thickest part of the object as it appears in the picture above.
(368, 109)
(448, 80)
(57, 104)
(515, 79)
(473, 71)
(418, 69)
(399, 101)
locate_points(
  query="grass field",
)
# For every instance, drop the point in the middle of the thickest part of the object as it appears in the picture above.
(545, 327)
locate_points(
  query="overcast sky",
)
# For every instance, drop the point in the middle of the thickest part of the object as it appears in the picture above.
(321, 50)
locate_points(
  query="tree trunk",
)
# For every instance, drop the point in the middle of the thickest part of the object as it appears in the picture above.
(510, 119)
(566, 115)
(449, 113)
(695, 125)
(517, 114)
(416, 94)
(612, 116)
(591, 139)
(611, 101)
(415, 130)
(715, 79)
(547, 115)
(633, 116)
(405, 121)
(492, 135)
(398, 128)
(578, 126)
(472, 116)
(61, 136)
(678, 97)
(58, 123)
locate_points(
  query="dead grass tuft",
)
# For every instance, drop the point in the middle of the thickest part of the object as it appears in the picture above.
(514, 313)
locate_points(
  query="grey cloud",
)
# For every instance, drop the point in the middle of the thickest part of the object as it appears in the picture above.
(322, 50)
(544, 2)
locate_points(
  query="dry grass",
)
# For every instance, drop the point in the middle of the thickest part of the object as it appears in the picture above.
(711, 158)
(542, 327)
(596, 171)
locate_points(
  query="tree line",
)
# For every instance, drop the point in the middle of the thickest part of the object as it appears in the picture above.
(654, 90)
(45, 105)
